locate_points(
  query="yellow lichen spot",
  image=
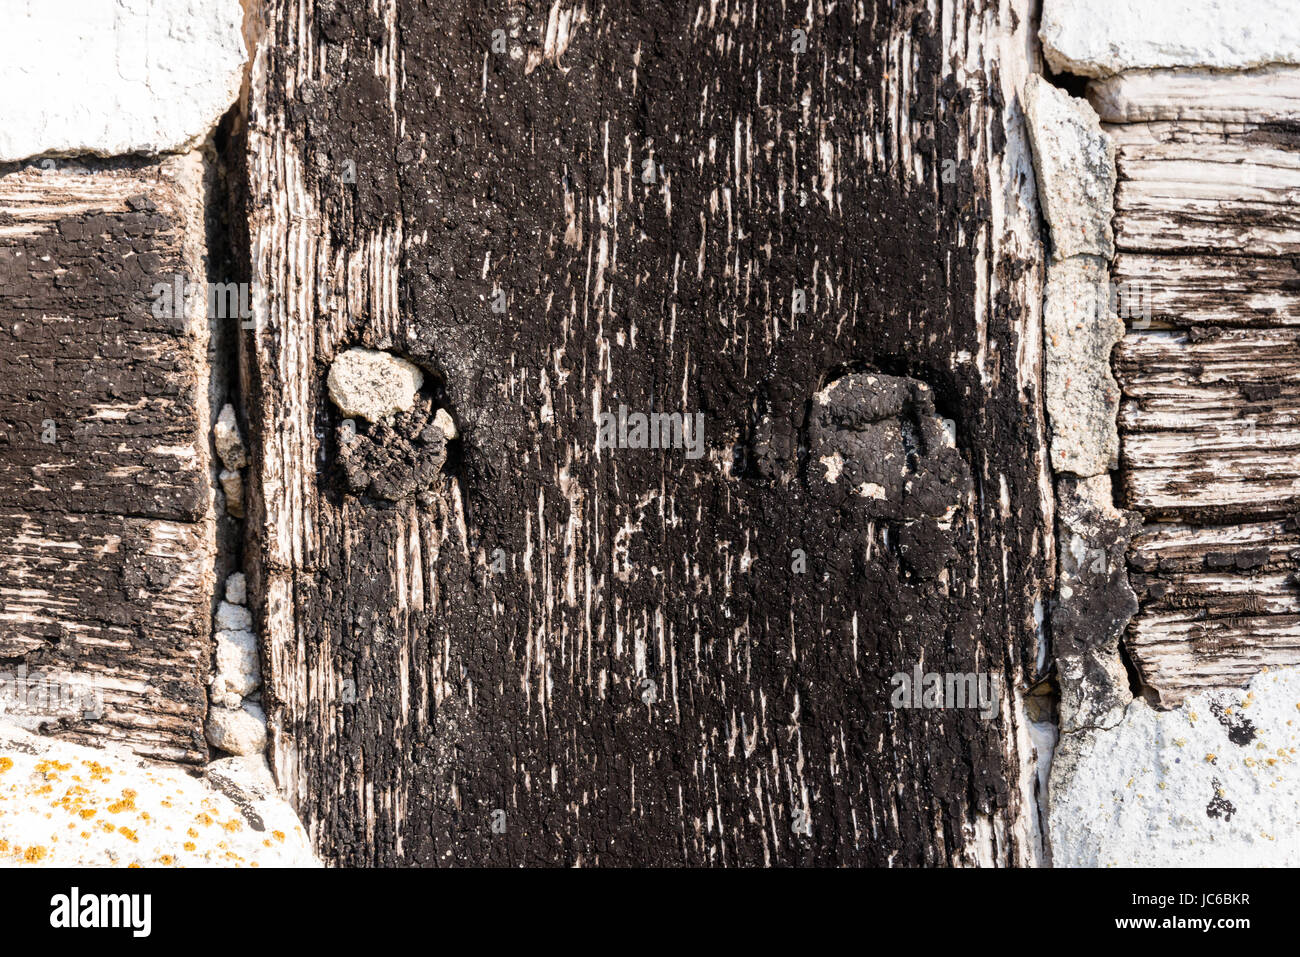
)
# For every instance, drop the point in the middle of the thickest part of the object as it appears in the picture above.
(188, 845)
(6, 764)
(127, 833)
(87, 812)
(34, 854)
(233, 825)
(278, 835)
(204, 819)
(192, 833)
(166, 860)
(132, 864)
(105, 826)
(1211, 758)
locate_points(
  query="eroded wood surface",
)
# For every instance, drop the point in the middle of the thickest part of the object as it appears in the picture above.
(105, 497)
(1210, 369)
(646, 679)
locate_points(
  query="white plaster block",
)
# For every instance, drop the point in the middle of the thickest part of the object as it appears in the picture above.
(1103, 37)
(67, 805)
(1213, 783)
(116, 76)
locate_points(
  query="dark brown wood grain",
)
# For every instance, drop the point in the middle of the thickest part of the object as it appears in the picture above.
(620, 649)
(107, 564)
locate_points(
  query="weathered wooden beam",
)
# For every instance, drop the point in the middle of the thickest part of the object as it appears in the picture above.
(1196, 443)
(1225, 189)
(1183, 291)
(683, 211)
(105, 487)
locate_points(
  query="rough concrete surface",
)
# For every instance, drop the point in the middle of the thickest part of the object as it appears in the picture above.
(238, 671)
(373, 385)
(1082, 397)
(1099, 39)
(1074, 162)
(239, 730)
(63, 804)
(229, 442)
(1213, 783)
(1094, 601)
(127, 76)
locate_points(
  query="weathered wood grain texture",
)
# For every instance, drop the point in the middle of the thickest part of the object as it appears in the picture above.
(1271, 94)
(1223, 291)
(1207, 187)
(105, 494)
(1210, 370)
(648, 681)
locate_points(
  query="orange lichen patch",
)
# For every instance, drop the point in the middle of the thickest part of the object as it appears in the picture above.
(105, 826)
(98, 772)
(234, 825)
(34, 854)
(129, 834)
(166, 860)
(87, 812)
(127, 803)
(205, 820)
(191, 832)
(278, 835)
(6, 764)
(51, 769)
(188, 845)
(4, 846)
(132, 864)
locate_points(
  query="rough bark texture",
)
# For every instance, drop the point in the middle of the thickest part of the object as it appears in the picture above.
(105, 495)
(617, 647)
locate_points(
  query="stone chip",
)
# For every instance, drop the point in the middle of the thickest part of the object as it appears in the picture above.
(372, 385)
(1074, 162)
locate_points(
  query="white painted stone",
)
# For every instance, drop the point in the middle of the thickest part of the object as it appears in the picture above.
(239, 671)
(1095, 38)
(237, 589)
(1074, 162)
(1173, 789)
(237, 730)
(373, 385)
(124, 810)
(1079, 389)
(230, 444)
(94, 76)
(232, 487)
(233, 618)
